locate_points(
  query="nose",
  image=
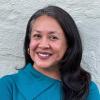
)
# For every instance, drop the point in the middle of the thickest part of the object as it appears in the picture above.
(44, 43)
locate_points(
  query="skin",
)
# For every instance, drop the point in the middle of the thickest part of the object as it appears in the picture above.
(47, 45)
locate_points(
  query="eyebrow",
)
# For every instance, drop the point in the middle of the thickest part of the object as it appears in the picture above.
(50, 32)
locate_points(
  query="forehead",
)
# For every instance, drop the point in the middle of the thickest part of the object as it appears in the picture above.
(46, 23)
(45, 18)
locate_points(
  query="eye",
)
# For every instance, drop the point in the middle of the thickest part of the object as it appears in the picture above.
(53, 37)
(36, 36)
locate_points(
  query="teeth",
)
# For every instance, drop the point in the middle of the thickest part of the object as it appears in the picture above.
(44, 54)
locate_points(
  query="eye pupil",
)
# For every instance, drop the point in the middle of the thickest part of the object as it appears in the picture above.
(53, 37)
(36, 36)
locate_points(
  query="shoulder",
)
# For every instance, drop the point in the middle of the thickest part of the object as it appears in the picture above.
(93, 86)
(7, 81)
(93, 91)
(10, 80)
(6, 87)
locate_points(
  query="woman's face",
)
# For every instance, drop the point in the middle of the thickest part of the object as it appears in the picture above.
(47, 42)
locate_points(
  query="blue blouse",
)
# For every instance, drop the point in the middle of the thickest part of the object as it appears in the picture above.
(29, 84)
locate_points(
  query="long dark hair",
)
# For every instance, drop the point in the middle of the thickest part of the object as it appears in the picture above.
(75, 80)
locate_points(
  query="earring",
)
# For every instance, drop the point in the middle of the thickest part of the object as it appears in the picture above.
(28, 51)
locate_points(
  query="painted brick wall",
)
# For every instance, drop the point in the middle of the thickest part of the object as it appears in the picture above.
(14, 15)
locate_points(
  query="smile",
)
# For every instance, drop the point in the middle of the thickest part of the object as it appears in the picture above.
(44, 55)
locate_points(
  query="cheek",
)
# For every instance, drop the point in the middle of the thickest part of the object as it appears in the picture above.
(32, 45)
(61, 49)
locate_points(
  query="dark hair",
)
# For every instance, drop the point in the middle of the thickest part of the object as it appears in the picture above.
(75, 80)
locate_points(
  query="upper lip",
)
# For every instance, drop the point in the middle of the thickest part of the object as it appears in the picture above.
(44, 52)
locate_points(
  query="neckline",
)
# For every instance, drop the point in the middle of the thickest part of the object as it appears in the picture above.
(39, 74)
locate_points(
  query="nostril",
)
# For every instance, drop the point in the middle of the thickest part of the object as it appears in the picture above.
(44, 45)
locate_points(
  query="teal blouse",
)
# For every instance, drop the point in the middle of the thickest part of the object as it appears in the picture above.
(29, 84)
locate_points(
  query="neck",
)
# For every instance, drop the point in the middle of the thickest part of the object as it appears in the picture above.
(50, 72)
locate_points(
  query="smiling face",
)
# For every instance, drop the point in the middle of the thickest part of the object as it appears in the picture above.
(47, 42)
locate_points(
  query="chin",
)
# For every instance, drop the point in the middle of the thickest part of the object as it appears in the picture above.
(43, 65)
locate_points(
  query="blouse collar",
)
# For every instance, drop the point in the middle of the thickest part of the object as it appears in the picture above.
(31, 82)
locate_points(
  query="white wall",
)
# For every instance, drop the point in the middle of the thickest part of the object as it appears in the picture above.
(14, 15)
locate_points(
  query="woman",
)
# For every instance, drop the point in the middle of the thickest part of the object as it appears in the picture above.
(53, 53)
